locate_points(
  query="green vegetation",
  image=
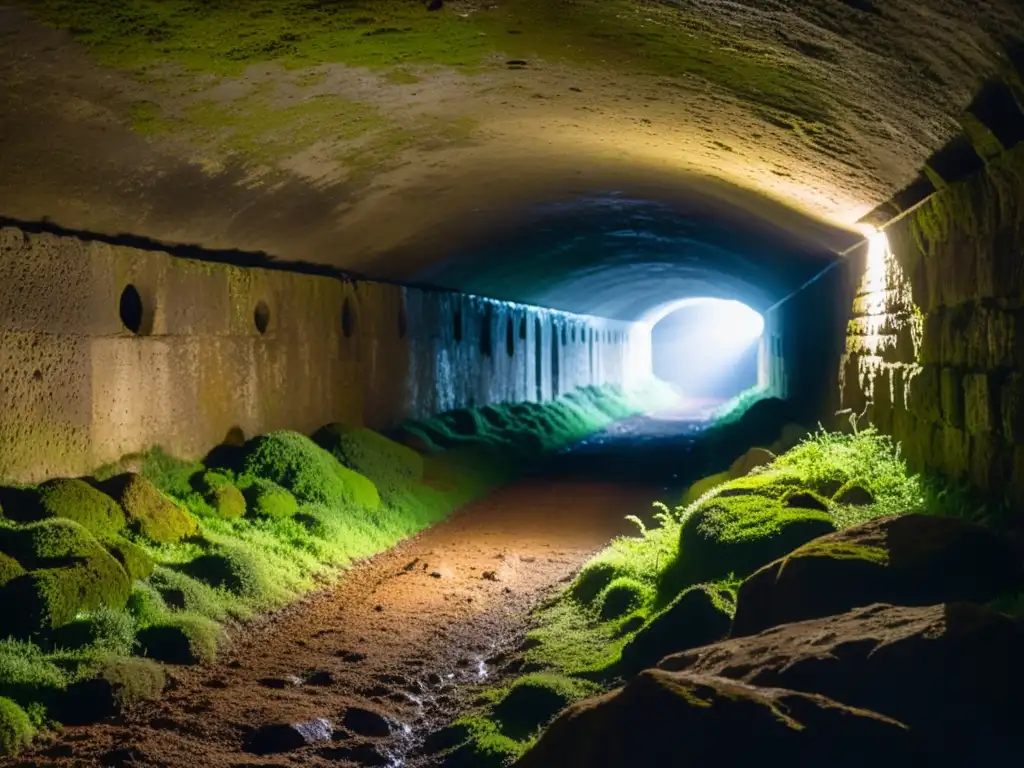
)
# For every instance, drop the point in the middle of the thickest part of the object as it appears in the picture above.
(87, 603)
(16, 731)
(77, 500)
(674, 586)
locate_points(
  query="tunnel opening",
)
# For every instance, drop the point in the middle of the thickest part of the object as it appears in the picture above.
(708, 348)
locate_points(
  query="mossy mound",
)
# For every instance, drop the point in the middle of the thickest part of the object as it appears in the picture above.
(855, 494)
(134, 559)
(73, 499)
(312, 474)
(389, 465)
(533, 700)
(68, 572)
(182, 639)
(234, 569)
(905, 560)
(181, 592)
(151, 513)
(146, 606)
(9, 569)
(27, 675)
(736, 535)
(220, 496)
(104, 629)
(771, 483)
(704, 485)
(114, 685)
(623, 595)
(592, 580)
(700, 615)
(16, 730)
(267, 499)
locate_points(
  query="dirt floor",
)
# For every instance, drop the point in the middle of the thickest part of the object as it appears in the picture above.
(404, 636)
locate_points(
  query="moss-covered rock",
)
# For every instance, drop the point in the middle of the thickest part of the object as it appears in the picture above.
(700, 615)
(73, 499)
(905, 560)
(221, 496)
(146, 606)
(16, 731)
(182, 639)
(704, 485)
(267, 499)
(104, 629)
(181, 592)
(592, 580)
(150, 512)
(855, 494)
(312, 474)
(27, 675)
(113, 686)
(9, 569)
(68, 571)
(134, 559)
(388, 464)
(533, 700)
(232, 568)
(806, 500)
(622, 596)
(738, 534)
(713, 721)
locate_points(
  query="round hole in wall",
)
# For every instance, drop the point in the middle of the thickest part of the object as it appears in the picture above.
(403, 323)
(261, 316)
(348, 319)
(510, 338)
(131, 309)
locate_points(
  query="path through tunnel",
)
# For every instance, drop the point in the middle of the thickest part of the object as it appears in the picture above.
(443, 384)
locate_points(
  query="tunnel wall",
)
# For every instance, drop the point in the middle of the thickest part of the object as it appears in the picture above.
(79, 389)
(935, 344)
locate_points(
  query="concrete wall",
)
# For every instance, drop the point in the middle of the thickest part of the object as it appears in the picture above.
(935, 345)
(78, 388)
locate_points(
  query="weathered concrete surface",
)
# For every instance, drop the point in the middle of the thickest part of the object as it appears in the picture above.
(79, 389)
(393, 141)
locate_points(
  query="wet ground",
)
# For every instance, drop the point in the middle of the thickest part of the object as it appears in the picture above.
(390, 653)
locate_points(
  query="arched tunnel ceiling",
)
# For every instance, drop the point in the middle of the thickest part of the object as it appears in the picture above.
(598, 156)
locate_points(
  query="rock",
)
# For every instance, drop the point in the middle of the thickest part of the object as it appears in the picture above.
(906, 560)
(352, 657)
(116, 686)
(361, 754)
(366, 722)
(490, 576)
(286, 737)
(855, 494)
(806, 500)
(754, 457)
(150, 513)
(702, 486)
(663, 718)
(698, 616)
(321, 678)
(952, 672)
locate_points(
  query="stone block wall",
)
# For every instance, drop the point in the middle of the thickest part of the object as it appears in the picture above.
(935, 344)
(107, 350)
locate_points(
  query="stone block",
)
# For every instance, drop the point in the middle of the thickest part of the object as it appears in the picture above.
(880, 413)
(923, 397)
(955, 337)
(1011, 406)
(918, 439)
(852, 392)
(991, 461)
(955, 447)
(951, 393)
(931, 343)
(980, 412)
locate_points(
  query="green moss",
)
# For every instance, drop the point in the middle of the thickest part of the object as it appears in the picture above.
(269, 500)
(182, 639)
(595, 576)
(846, 550)
(480, 743)
(181, 592)
(236, 569)
(27, 675)
(312, 474)
(134, 559)
(16, 731)
(77, 500)
(104, 629)
(223, 497)
(9, 569)
(389, 465)
(739, 534)
(169, 474)
(146, 606)
(703, 486)
(150, 512)
(622, 596)
(122, 683)
(533, 700)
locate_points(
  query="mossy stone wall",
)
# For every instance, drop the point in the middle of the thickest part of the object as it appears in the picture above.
(223, 352)
(935, 344)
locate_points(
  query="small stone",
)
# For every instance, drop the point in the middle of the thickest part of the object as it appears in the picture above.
(379, 608)
(321, 678)
(353, 657)
(216, 682)
(491, 576)
(366, 722)
(435, 574)
(285, 737)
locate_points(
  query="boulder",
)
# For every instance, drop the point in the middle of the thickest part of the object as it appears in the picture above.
(150, 513)
(905, 560)
(952, 672)
(286, 737)
(678, 718)
(366, 722)
(73, 499)
(698, 616)
(753, 458)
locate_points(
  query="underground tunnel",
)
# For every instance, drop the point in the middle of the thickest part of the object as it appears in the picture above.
(591, 383)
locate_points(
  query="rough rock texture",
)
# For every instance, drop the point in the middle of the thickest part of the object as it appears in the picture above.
(906, 560)
(661, 717)
(952, 672)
